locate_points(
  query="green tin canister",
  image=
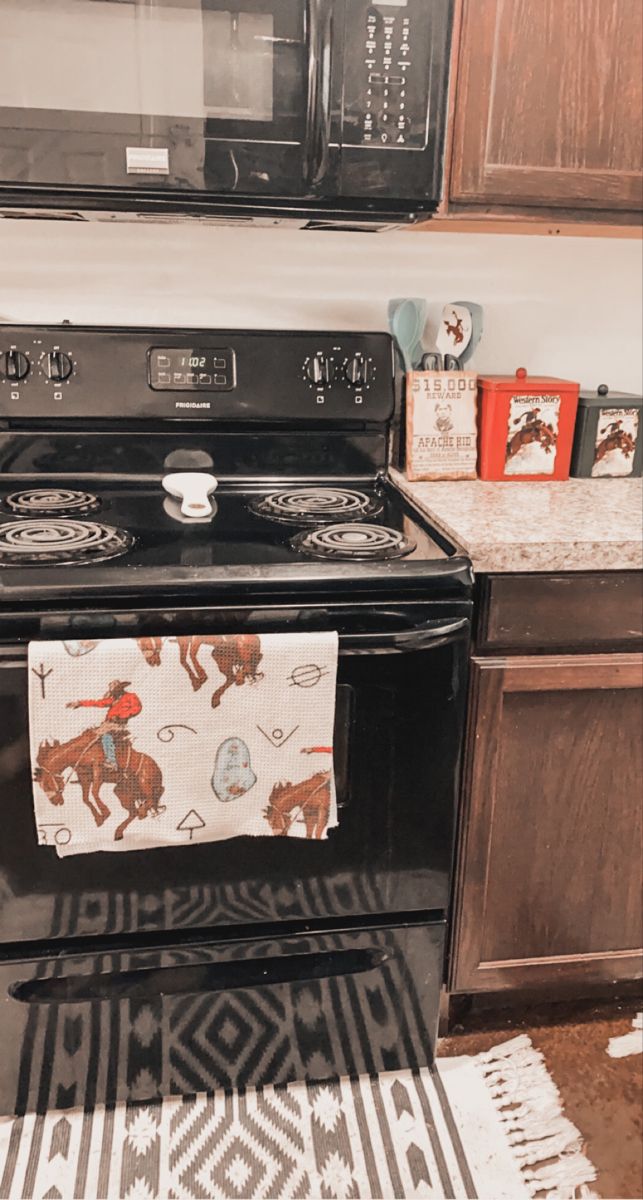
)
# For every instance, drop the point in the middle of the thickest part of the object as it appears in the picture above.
(608, 439)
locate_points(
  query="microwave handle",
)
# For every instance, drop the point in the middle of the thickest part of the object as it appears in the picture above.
(319, 21)
(425, 636)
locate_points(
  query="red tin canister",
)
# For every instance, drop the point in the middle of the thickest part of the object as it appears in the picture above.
(526, 426)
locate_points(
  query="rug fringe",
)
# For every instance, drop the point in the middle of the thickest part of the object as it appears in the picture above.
(545, 1144)
(628, 1043)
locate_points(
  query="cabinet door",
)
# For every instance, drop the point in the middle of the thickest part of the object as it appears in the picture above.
(548, 104)
(549, 876)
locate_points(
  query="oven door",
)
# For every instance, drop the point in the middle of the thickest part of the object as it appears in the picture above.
(399, 711)
(187, 95)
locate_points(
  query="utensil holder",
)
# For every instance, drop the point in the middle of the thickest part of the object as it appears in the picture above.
(441, 432)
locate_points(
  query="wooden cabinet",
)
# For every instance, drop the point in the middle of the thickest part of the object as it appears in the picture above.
(548, 884)
(570, 610)
(548, 106)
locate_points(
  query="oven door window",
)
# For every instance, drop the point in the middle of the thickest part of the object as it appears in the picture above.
(223, 68)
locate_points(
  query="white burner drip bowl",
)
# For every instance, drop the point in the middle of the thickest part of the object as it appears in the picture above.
(193, 489)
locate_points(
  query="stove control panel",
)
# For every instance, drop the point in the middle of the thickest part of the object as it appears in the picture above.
(93, 374)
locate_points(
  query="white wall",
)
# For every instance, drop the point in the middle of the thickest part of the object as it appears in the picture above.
(565, 306)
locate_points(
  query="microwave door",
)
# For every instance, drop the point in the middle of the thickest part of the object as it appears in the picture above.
(69, 91)
(213, 96)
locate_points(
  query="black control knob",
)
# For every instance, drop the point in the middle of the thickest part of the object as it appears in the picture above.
(58, 366)
(15, 365)
(318, 370)
(357, 370)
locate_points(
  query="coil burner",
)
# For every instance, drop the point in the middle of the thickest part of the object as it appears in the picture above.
(41, 543)
(37, 502)
(354, 541)
(314, 505)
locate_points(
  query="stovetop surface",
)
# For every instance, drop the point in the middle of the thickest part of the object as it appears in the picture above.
(236, 546)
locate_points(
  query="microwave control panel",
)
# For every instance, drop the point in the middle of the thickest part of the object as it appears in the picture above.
(387, 83)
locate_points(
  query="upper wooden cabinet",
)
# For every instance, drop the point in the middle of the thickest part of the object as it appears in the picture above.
(548, 105)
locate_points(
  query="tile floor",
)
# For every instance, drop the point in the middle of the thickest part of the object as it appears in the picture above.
(603, 1096)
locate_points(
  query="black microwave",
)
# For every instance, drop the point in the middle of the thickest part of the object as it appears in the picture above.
(318, 111)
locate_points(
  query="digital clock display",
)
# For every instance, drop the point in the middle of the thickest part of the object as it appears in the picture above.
(184, 369)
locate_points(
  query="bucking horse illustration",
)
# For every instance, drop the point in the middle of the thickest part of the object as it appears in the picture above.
(236, 655)
(455, 330)
(617, 439)
(309, 800)
(137, 778)
(533, 430)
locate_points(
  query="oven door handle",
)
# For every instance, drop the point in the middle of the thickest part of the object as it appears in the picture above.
(319, 24)
(426, 636)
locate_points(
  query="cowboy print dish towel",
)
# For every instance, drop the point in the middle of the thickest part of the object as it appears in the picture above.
(146, 742)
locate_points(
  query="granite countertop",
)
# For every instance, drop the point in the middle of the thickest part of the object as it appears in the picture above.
(579, 525)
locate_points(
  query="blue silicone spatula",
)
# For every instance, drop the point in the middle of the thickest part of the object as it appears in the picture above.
(406, 319)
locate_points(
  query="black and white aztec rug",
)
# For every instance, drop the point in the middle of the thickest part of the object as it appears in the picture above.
(490, 1127)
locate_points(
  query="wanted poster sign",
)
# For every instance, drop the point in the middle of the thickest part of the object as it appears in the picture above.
(441, 431)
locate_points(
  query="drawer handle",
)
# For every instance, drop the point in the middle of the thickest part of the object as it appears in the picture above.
(146, 983)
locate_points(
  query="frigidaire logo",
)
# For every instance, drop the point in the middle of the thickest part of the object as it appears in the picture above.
(192, 404)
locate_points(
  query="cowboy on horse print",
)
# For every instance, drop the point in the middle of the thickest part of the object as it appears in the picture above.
(92, 758)
(532, 435)
(307, 803)
(237, 657)
(616, 442)
(121, 706)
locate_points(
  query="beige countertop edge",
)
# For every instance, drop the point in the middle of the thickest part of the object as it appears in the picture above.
(506, 555)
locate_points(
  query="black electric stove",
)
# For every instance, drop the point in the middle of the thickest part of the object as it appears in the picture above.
(325, 956)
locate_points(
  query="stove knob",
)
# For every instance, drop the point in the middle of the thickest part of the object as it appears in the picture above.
(357, 370)
(318, 370)
(58, 366)
(15, 366)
